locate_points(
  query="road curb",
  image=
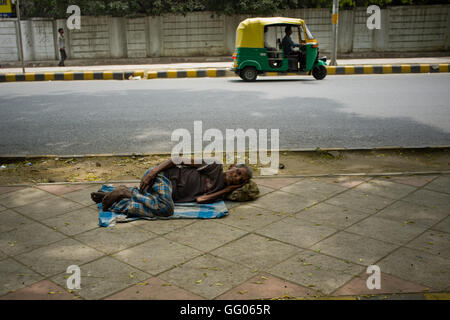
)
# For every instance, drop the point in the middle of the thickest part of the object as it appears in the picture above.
(146, 154)
(388, 68)
(71, 75)
(216, 72)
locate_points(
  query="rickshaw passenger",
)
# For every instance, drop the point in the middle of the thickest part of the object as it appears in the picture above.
(266, 45)
(270, 52)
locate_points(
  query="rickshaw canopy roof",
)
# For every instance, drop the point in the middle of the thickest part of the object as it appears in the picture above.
(250, 32)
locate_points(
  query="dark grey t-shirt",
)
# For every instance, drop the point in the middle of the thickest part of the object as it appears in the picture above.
(188, 183)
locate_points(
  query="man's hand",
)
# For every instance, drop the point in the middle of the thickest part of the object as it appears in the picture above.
(235, 186)
(202, 199)
(206, 198)
(148, 180)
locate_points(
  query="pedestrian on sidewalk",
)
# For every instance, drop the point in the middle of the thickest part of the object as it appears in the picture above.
(62, 47)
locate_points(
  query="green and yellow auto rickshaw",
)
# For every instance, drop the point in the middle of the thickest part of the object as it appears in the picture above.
(262, 48)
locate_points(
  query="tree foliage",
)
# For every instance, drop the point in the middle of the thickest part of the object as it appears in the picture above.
(120, 8)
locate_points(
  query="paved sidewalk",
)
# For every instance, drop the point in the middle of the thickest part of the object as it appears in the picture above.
(303, 238)
(207, 65)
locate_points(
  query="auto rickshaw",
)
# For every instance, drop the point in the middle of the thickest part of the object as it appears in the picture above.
(259, 49)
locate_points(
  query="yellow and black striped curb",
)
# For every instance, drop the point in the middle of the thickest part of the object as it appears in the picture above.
(191, 73)
(332, 70)
(387, 68)
(71, 75)
(388, 296)
(217, 72)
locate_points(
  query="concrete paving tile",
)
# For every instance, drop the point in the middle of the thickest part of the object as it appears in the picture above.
(296, 231)
(430, 199)
(444, 225)
(354, 248)
(27, 237)
(434, 242)
(104, 277)
(250, 218)
(388, 284)
(263, 190)
(418, 266)
(163, 226)
(344, 181)
(157, 255)
(23, 197)
(74, 222)
(387, 230)
(56, 257)
(332, 216)
(6, 189)
(49, 208)
(207, 276)
(364, 202)
(83, 196)
(232, 204)
(15, 276)
(384, 188)
(412, 213)
(205, 235)
(111, 240)
(42, 290)
(10, 220)
(276, 183)
(416, 181)
(60, 189)
(316, 271)
(314, 189)
(279, 201)
(264, 253)
(266, 286)
(154, 289)
(441, 184)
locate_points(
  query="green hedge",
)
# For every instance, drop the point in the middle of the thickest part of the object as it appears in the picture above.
(57, 8)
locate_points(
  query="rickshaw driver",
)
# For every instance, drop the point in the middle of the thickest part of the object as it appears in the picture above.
(288, 46)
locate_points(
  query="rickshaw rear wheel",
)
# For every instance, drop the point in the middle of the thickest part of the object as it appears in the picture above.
(249, 74)
(319, 72)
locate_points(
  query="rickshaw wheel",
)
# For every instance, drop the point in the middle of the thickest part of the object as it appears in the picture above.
(319, 72)
(249, 74)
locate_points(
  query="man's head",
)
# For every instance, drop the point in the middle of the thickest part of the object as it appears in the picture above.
(238, 174)
(288, 30)
(61, 31)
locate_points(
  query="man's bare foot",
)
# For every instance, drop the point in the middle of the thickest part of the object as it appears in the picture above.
(97, 197)
(116, 195)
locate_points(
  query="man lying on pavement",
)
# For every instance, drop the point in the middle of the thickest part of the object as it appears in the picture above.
(168, 183)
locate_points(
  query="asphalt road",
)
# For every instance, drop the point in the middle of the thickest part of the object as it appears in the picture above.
(83, 117)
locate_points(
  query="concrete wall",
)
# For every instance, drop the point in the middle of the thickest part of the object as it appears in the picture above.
(403, 29)
(195, 34)
(92, 40)
(8, 41)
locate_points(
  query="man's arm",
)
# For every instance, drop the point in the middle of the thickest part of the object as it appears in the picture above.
(208, 198)
(292, 44)
(170, 163)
